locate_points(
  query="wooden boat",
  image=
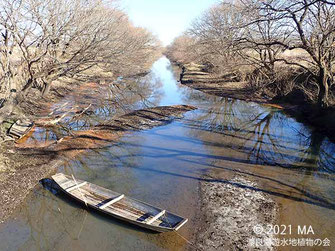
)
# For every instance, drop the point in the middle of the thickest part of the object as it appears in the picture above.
(118, 205)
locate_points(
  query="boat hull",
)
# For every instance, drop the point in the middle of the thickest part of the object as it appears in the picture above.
(118, 206)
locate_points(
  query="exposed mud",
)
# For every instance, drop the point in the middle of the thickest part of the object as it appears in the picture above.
(196, 77)
(231, 213)
(229, 210)
(101, 134)
(24, 163)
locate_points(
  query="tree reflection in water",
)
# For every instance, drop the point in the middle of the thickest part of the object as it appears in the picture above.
(223, 138)
(92, 107)
(55, 222)
(265, 134)
(287, 159)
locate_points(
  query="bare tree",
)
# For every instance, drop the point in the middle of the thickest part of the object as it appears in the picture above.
(44, 41)
(311, 27)
(182, 50)
(258, 35)
(227, 41)
(214, 34)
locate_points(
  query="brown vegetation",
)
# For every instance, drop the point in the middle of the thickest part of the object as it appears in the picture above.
(279, 47)
(35, 160)
(109, 131)
(48, 41)
(195, 76)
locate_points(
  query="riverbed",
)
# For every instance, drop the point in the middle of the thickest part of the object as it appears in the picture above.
(223, 139)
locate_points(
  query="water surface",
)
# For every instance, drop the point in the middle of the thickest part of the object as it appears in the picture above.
(163, 166)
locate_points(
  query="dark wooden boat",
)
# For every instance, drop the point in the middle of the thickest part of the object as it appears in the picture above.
(118, 205)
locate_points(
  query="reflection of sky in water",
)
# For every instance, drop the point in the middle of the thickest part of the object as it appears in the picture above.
(162, 71)
(163, 165)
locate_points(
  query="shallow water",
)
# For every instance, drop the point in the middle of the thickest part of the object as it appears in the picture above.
(163, 166)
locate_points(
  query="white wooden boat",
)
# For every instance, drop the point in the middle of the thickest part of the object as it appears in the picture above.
(118, 205)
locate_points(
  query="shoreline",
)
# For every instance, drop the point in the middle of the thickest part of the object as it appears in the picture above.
(196, 77)
(23, 164)
(215, 232)
(229, 210)
(20, 171)
(230, 213)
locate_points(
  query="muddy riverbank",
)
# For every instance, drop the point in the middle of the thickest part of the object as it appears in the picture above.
(197, 77)
(227, 166)
(24, 162)
(294, 104)
(20, 170)
(231, 214)
(264, 144)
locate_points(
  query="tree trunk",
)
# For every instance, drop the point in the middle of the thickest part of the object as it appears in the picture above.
(323, 97)
(26, 88)
(46, 90)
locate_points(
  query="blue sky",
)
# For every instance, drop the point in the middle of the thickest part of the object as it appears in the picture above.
(165, 18)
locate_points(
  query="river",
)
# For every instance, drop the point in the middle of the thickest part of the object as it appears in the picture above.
(163, 166)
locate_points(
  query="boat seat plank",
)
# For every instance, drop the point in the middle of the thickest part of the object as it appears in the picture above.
(155, 217)
(120, 197)
(119, 205)
(76, 186)
(61, 179)
(67, 183)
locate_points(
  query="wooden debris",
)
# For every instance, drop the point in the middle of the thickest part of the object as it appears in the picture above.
(19, 129)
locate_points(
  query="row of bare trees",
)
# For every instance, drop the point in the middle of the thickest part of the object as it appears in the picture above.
(45, 41)
(265, 37)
